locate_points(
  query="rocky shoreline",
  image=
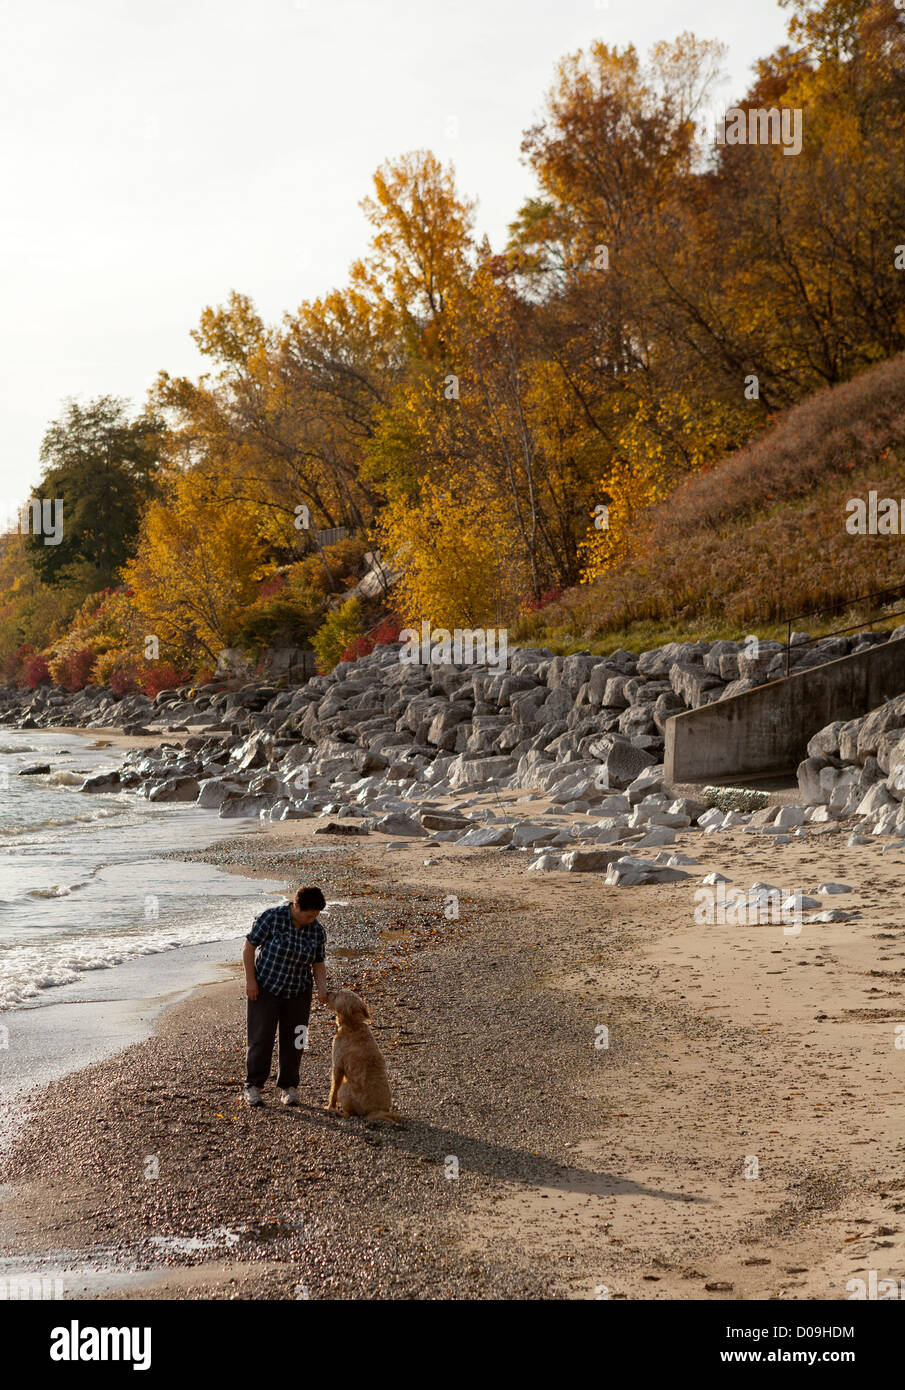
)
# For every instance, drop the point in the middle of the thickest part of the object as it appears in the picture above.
(557, 757)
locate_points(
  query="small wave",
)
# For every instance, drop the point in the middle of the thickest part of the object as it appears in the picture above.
(15, 748)
(25, 973)
(54, 821)
(62, 890)
(67, 779)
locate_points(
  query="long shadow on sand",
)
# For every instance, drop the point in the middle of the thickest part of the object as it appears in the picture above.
(435, 1143)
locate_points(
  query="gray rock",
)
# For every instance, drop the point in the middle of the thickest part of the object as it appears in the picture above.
(101, 782)
(877, 798)
(739, 687)
(556, 706)
(240, 807)
(665, 706)
(848, 740)
(717, 651)
(753, 665)
(576, 669)
(487, 835)
(546, 863)
(620, 762)
(825, 744)
(728, 665)
(176, 789)
(614, 696)
(890, 715)
(398, 824)
(690, 682)
(584, 861)
(658, 661)
(441, 820)
(479, 771)
(638, 719)
(529, 833)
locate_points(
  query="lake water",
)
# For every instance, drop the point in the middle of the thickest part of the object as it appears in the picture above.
(83, 886)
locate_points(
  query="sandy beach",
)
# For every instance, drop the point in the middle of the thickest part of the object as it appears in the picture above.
(738, 1136)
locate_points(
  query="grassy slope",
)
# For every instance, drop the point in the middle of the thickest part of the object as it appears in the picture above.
(759, 538)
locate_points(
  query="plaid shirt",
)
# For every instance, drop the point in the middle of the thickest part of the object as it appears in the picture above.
(286, 952)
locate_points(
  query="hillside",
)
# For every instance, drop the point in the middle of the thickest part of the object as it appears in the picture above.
(762, 536)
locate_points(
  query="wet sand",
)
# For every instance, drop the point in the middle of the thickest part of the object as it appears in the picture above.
(740, 1136)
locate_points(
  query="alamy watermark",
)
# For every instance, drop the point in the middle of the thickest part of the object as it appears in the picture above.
(35, 517)
(461, 647)
(878, 516)
(733, 907)
(761, 125)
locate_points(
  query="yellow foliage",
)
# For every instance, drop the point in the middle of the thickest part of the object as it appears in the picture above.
(655, 448)
(198, 561)
(457, 547)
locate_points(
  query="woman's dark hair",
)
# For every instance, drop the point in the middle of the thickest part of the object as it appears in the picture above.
(309, 897)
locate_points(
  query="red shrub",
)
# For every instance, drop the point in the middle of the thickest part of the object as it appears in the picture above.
(274, 585)
(75, 669)
(38, 672)
(533, 603)
(16, 665)
(386, 631)
(125, 680)
(163, 678)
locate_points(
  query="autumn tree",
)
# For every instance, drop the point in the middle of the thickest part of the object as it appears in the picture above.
(103, 467)
(197, 567)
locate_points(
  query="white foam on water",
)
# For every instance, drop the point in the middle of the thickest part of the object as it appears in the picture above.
(82, 884)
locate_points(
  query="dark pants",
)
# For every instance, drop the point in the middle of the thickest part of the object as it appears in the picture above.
(265, 1015)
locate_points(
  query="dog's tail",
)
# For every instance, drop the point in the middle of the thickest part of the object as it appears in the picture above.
(384, 1115)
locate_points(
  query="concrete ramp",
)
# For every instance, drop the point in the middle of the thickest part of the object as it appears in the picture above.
(767, 730)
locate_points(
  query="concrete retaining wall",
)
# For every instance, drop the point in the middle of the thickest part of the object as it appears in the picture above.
(767, 729)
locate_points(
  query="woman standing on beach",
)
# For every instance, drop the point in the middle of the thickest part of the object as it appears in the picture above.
(283, 947)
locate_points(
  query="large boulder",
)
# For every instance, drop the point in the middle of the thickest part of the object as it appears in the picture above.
(175, 789)
(556, 706)
(213, 791)
(825, 744)
(251, 754)
(713, 659)
(576, 669)
(584, 861)
(890, 715)
(638, 719)
(486, 835)
(658, 661)
(690, 682)
(614, 696)
(398, 824)
(441, 820)
(465, 772)
(665, 707)
(620, 762)
(809, 783)
(101, 782)
(755, 659)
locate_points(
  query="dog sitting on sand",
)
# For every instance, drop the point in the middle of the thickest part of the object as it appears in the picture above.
(359, 1085)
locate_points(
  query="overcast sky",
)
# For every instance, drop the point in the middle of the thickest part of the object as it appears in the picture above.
(158, 155)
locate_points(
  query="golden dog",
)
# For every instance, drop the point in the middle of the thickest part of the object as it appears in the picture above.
(359, 1084)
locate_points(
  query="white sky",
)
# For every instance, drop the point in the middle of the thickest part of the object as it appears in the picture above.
(157, 155)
